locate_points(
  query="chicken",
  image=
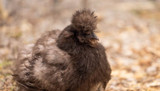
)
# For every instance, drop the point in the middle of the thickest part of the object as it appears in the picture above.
(71, 60)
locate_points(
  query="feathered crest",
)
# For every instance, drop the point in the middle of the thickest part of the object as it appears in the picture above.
(84, 20)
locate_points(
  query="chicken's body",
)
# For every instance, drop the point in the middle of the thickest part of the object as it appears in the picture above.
(62, 63)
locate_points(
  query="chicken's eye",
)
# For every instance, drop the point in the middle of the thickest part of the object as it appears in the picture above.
(86, 34)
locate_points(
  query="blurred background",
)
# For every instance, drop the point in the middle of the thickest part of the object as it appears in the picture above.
(129, 30)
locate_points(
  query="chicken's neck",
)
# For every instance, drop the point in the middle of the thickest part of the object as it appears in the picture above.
(84, 58)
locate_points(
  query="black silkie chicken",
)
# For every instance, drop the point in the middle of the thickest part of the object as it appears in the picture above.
(71, 60)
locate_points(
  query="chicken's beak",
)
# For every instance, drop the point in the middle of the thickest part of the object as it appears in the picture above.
(94, 37)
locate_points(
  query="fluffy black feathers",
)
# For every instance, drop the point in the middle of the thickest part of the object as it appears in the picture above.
(71, 60)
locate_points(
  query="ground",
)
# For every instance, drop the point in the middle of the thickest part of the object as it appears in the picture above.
(129, 30)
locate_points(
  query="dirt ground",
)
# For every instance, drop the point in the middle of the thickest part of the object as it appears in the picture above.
(129, 30)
